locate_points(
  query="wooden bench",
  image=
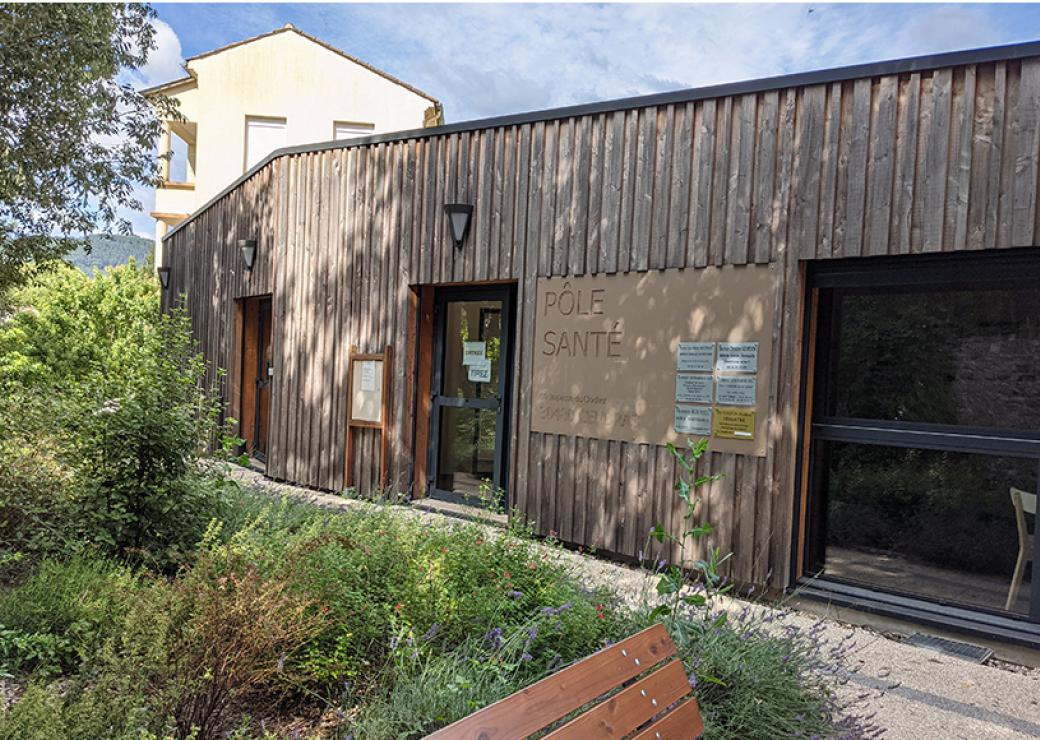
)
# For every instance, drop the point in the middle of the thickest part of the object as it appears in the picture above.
(647, 701)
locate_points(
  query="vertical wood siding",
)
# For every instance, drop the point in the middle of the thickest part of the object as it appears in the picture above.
(928, 161)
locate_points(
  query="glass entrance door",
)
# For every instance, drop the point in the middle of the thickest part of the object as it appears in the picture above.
(472, 369)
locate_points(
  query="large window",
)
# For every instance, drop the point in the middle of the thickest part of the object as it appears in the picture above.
(925, 434)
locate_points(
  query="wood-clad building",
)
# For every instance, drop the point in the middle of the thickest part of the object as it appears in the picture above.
(889, 207)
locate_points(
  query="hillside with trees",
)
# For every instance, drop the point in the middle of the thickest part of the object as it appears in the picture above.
(109, 250)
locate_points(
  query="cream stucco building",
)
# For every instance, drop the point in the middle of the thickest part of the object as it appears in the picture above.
(283, 88)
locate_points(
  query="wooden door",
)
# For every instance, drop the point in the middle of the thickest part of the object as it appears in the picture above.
(257, 368)
(265, 369)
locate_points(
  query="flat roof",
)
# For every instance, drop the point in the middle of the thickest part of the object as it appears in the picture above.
(1005, 52)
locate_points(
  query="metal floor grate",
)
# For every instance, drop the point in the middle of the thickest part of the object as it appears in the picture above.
(974, 653)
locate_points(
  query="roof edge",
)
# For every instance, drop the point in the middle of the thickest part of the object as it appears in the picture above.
(289, 27)
(167, 85)
(906, 65)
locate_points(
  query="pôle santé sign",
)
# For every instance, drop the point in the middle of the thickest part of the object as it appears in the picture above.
(606, 352)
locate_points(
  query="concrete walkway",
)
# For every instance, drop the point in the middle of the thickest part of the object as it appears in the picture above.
(914, 693)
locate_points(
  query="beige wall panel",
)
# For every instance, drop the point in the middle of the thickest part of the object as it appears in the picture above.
(606, 351)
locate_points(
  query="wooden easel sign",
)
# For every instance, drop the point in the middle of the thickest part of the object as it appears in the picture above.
(368, 404)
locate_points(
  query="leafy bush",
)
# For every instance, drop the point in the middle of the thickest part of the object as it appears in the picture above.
(34, 506)
(208, 642)
(101, 395)
(66, 326)
(36, 716)
(376, 577)
(61, 613)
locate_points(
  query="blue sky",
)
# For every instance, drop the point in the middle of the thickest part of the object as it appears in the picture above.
(484, 60)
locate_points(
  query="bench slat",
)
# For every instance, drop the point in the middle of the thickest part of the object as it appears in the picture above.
(627, 710)
(683, 723)
(544, 702)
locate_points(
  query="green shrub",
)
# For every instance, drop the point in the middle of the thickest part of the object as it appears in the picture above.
(136, 437)
(35, 504)
(62, 612)
(22, 652)
(200, 647)
(377, 576)
(430, 688)
(758, 676)
(66, 326)
(36, 716)
(103, 417)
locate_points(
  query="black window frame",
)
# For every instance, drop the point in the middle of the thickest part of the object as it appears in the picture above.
(980, 270)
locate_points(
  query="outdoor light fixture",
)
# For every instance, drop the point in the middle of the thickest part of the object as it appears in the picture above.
(164, 277)
(248, 247)
(458, 220)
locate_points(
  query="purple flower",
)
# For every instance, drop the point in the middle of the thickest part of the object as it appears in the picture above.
(432, 632)
(693, 681)
(526, 657)
(514, 594)
(494, 637)
(393, 642)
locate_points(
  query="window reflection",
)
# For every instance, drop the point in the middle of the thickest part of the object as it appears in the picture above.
(467, 451)
(945, 357)
(938, 524)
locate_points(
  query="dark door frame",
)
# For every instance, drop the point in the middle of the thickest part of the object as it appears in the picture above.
(926, 272)
(254, 377)
(263, 377)
(507, 294)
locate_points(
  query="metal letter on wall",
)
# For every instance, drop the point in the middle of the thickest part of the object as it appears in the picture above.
(630, 357)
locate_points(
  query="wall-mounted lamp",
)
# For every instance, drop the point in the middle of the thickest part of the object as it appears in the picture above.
(248, 247)
(164, 277)
(458, 219)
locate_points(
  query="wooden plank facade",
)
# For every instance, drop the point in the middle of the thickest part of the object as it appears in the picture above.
(913, 157)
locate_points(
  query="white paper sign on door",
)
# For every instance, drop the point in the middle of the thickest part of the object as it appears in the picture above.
(473, 352)
(480, 372)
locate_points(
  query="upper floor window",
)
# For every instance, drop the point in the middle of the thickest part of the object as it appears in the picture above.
(178, 150)
(349, 130)
(263, 136)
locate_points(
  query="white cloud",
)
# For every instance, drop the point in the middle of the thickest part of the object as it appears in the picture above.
(485, 60)
(165, 61)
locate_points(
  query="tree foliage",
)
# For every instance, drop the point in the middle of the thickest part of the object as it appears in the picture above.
(75, 136)
(103, 417)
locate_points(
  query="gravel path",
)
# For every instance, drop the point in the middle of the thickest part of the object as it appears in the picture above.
(914, 693)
